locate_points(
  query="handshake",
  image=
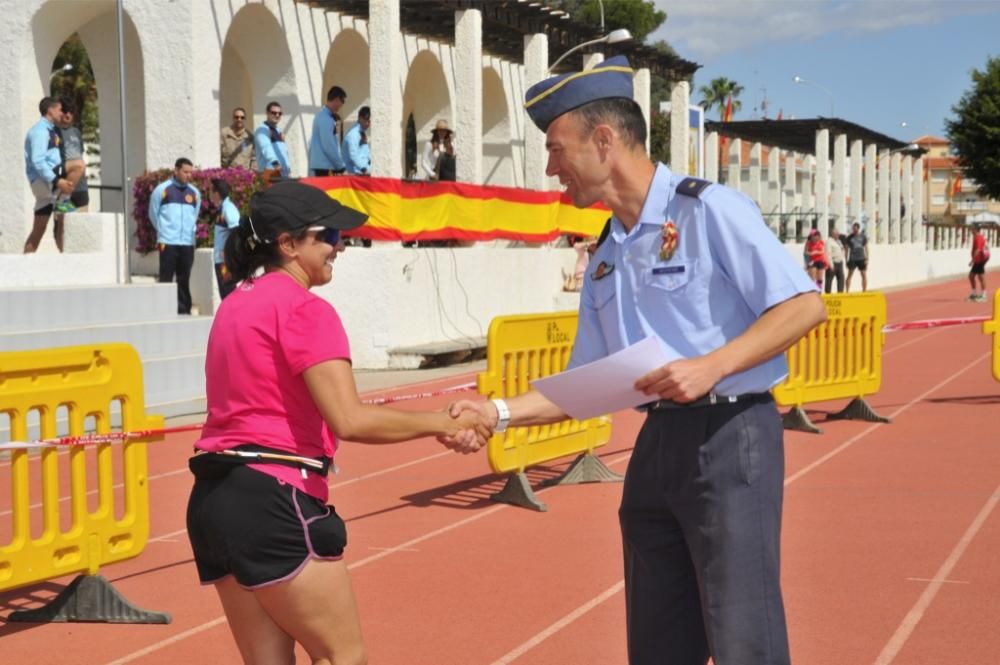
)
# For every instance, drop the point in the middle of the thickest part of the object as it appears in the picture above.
(472, 425)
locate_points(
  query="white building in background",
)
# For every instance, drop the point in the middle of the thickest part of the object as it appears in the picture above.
(189, 62)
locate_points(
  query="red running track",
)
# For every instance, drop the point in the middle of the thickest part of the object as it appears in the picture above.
(890, 539)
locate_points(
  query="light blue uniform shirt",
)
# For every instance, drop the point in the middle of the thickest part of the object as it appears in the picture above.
(324, 147)
(727, 270)
(357, 155)
(270, 148)
(173, 210)
(229, 214)
(41, 151)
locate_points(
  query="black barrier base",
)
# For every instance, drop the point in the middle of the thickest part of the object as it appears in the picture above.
(858, 409)
(518, 492)
(89, 598)
(587, 468)
(798, 420)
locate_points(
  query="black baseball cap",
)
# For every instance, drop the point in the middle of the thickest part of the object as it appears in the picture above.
(291, 206)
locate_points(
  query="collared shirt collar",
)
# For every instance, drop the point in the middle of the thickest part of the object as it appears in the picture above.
(653, 207)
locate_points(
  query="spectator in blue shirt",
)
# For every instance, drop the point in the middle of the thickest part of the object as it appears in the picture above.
(357, 151)
(269, 143)
(324, 145)
(173, 210)
(43, 160)
(228, 217)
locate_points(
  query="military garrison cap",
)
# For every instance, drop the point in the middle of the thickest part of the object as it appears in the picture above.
(547, 100)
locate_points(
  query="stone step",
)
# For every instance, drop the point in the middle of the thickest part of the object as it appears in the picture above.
(167, 337)
(45, 307)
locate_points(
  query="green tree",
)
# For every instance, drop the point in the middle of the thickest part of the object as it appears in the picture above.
(659, 136)
(975, 131)
(78, 84)
(640, 17)
(717, 92)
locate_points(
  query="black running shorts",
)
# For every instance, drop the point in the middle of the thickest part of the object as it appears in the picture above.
(257, 528)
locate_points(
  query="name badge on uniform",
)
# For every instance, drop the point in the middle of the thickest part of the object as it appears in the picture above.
(603, 270)
(668, 270)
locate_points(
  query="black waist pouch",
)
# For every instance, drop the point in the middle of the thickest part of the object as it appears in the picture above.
(215, 466)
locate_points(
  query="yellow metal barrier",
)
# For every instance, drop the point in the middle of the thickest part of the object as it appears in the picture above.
(520, 349)
(993, 328)
(841, 358)
(83, 382)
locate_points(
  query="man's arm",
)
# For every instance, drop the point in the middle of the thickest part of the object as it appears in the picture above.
(328, 140)
(774, 332)
(265, 150)
(154, 206)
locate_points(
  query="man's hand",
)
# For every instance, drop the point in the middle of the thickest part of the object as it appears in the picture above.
(476, 421)
(681, 381)
(64, 185)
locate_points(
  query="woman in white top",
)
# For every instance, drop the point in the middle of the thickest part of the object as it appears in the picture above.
(432, 149)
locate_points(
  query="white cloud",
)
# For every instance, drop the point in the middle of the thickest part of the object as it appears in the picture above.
(703, 29)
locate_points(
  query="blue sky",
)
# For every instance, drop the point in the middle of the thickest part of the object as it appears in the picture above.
(883, 62)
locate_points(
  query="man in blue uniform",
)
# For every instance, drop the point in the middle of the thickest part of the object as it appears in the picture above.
(269, 143)
(357, 150)
(694, 264)
(43, 162)
(227, 219)
(324, 144)
(173, 209)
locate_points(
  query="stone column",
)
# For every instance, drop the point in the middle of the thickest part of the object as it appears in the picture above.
(854, 192)
(772, 193)
(712, 157)
(907, 216)
(789, 195)
(869, 207)
(469, 94)
(753, 187)
(839, 190)
(386, 58)
(679, 100)
(591, 60)
(734, 177)
(882, 225)
(536, 64)
(809, 186)
(918, 229)
(822, 192)
(894, 197)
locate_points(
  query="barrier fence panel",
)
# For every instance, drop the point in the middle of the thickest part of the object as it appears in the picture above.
(520, 349)
(993, 328)
(85, 382)
(841, 358)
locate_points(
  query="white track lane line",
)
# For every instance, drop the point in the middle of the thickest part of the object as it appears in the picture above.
(912, 618)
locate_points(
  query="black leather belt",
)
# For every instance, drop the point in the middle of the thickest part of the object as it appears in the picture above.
(711, 399)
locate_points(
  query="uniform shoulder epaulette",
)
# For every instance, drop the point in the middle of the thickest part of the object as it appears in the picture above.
(692, 186)
(604, 232)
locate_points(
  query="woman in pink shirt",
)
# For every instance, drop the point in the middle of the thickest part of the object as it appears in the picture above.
(281, 394)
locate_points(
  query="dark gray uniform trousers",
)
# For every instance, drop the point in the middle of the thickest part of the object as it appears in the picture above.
(701, 529)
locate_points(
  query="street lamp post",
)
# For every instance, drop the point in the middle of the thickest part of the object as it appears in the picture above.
(799, 79)
(613, 37)
(65, 69)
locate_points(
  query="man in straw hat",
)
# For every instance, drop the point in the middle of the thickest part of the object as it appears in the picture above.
(693, 264)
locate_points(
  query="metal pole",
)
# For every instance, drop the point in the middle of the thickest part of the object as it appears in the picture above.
(126, 275)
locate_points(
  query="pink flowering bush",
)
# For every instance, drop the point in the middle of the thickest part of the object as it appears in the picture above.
(243, 184)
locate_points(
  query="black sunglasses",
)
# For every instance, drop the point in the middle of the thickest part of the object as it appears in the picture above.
(327, 235)
(275, 113)
(239, 117)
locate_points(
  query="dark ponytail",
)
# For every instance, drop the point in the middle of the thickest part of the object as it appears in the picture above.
(244, 255)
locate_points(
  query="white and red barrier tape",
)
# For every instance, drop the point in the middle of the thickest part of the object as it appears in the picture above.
(118, 437)
(933, 323)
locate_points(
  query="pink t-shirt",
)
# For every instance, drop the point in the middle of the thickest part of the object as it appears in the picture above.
(265, 334)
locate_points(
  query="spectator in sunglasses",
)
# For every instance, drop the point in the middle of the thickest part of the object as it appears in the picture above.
(236, 142)
(269, 142)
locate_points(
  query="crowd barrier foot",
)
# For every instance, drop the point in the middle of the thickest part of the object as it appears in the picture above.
(798, 420)
(517, 492)
(858, 409)
(586, 468)
(90, 599)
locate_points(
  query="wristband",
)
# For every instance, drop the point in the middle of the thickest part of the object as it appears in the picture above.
(503, 415)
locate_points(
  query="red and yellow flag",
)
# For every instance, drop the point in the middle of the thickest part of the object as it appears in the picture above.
(956, 184)
(418, 210)
(727, 115)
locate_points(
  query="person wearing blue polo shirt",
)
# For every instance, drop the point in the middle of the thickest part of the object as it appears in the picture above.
(357, 151)
(227, 218)
(325, 157)
(173, 209)
(269, 143)
(693, 264)
(43, 162)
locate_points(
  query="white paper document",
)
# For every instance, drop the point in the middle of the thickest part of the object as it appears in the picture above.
(604, 385)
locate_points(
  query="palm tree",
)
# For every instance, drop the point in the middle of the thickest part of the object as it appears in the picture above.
(716, 93)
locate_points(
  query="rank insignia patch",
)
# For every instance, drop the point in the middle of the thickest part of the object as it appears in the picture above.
(603, 270)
